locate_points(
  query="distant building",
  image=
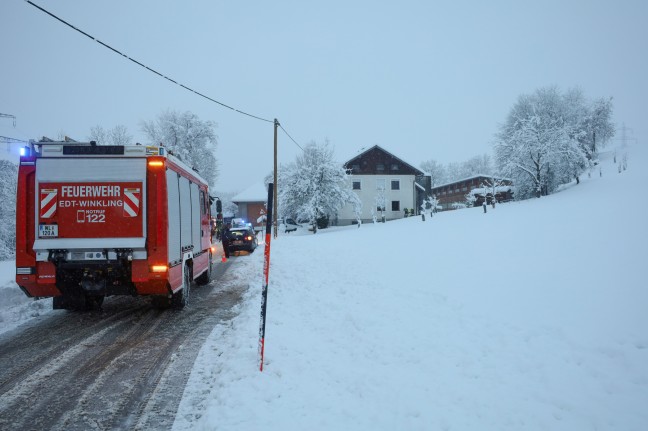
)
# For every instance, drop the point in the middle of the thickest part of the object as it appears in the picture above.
(377, 173)
(251, 204)
(453, 195)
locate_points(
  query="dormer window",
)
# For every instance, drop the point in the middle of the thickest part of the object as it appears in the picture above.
(380, 167)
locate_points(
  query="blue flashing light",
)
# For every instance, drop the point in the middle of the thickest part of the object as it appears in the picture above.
(23, 151)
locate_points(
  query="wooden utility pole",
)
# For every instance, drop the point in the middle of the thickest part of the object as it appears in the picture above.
(274, 215)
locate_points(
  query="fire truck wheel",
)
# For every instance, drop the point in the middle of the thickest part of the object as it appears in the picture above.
(205, 277)
(180, 299)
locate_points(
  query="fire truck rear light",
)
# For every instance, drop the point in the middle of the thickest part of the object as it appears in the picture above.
(159, 268)
(26, 270)
(156, 163)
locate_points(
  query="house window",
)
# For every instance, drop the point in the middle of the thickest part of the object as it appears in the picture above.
(395, 184)
(356, 185)
(395, 205)
(380, 208)
(394, 167)
(380, 184)
(464, 188)
(380, 167)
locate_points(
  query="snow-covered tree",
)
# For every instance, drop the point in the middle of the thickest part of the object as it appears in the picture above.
(314, 186)
(118, 135)
(540, 145)
(492, 186)
(188, 137)
(478, 165)
(229, 208)
(470, 199)
(454, 172)
(439, 174)
(8, 181)
(380, 203)
(435, 170)
(357, 212)
(430, 205)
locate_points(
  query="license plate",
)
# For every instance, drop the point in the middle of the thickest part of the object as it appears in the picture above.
(48, 231)
(237, 242)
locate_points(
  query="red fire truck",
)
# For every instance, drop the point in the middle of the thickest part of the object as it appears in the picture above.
(94, 221)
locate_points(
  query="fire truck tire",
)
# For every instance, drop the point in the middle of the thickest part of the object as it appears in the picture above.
(205, 277)
(180, 299)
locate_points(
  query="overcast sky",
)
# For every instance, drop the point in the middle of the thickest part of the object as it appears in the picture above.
(423, 79)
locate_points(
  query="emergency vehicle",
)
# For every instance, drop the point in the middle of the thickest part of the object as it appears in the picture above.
(94, 221)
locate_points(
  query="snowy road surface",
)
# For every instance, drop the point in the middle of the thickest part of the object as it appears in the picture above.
(124, 367)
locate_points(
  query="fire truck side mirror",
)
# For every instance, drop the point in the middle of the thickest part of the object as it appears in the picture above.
(219, 206)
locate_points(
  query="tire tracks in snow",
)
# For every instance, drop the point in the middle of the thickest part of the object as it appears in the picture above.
(124, 367)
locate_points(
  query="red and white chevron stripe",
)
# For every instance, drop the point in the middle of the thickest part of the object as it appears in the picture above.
(131, 202)
(48, 202)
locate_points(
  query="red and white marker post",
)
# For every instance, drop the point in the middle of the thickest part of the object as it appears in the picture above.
(266, 271)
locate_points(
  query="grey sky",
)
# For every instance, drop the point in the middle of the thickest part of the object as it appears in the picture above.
(423, 79)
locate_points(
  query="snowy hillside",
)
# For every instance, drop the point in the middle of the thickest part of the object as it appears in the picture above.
(530, 317)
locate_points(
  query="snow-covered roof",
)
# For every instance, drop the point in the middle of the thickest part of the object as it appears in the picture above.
(470, 178)
(498, 189)
(255, 193)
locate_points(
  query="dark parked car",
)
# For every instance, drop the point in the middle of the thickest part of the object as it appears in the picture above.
(242, 239)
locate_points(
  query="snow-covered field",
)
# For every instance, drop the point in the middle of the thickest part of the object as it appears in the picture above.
(530, 317)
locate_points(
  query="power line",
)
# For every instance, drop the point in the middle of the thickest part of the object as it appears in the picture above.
(9, 116)
(291, 138)
(10, 140)
(145, 66)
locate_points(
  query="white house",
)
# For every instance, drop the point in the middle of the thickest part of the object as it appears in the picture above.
(379, 178)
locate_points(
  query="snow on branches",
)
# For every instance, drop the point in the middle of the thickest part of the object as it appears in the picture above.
(315, 186)
(551, 138)
(8, 175)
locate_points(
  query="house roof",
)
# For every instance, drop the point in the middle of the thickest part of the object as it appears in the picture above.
(470, 178)
(379, 148)
(255, 193)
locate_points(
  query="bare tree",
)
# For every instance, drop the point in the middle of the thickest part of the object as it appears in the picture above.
(118, 135)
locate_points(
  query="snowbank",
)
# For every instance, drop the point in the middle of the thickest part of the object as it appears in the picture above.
(529, 317)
